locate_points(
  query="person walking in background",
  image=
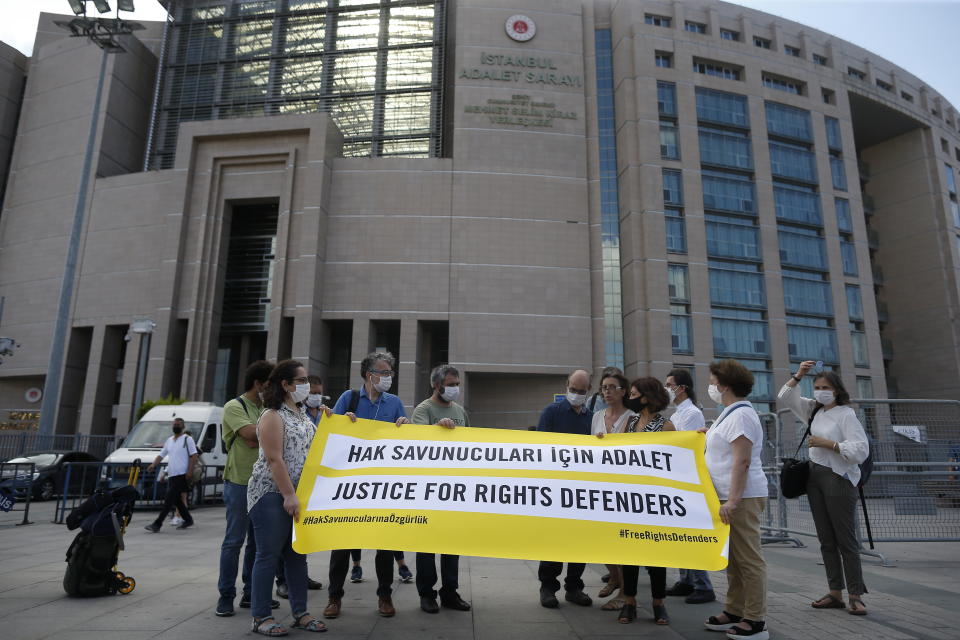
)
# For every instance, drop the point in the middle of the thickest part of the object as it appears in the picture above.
(442, 409)
(568, 415)
(693, 583)
(734, 444)
(838, 444)
(285, 434)
(181, 453)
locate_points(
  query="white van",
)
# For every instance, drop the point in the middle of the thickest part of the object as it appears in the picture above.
(146, 438)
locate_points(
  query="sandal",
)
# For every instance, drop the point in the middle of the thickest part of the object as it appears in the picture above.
(857, 608)
(828, 602)
(660, 614)
(313, 625)
(608, 590)
(613, 605)
(274, 629)
(627, 613)
(714, 623)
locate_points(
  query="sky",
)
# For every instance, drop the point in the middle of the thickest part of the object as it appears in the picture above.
(920, 36)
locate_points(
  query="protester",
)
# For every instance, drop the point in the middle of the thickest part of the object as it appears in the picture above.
(734, 444)
(612, 419)
(240, 417)
(694, 583)
(371, 402)
(285, 434)
(838, 444)
(441, 409)
(596, 403)
(647, 399)
(181, 453)
(568, 415)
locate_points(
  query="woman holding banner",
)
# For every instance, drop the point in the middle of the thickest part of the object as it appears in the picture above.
(612, 419)
(734, 443)
(647, 399)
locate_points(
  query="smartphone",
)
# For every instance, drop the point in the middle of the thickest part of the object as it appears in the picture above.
(819, 364)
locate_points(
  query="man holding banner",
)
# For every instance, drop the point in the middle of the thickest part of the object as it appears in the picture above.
(442, 410)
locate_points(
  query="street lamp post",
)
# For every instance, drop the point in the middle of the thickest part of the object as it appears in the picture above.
(103, 33)
(144, 327)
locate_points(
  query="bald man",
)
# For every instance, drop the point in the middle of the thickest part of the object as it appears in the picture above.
(569, 415)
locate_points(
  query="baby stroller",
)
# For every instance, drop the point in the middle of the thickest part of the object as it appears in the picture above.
(92, 557)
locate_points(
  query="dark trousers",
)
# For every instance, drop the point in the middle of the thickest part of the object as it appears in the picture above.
(427, 575)
(175, 486)
(355, 555)
(548, 572)
(833, 503)
(340, 564)
(658, 581)
(281, 573)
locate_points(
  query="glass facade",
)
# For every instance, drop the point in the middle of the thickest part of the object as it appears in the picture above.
(834, 140)
(676, 231)
(609, 203)
(739, 333)
(667, 98)
(807, 296)
(793, 161)
(737, 285)
(669, 141)
(854, 302)
(732, 238)
(807, 341)
(728, 192)
(725, 148)
(844, 221)
(802, 248)
(838, 172)
(848, 254)
(796, 204)
(681, 326)
(789, 122)
(375, 67)
(722, 108)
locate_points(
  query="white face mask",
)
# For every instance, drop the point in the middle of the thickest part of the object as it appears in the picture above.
(384, 385)
(449, 394)
(576, 399)
(672, 394)
(314, 400)
(300, 393)
(823, 396)
(715, 394)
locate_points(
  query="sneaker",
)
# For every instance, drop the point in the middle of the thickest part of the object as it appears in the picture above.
(282, 591)
(680, 589)
(175, 520)
(356, 575)
(153, 527)
(700, 597)
(406, 576)
(224, 607)
(757, 631)
(548, 599)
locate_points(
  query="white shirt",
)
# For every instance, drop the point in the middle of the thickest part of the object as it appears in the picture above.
(599, 426)
(179, 451)
(687, 417)
(733, 423)
(839, 424)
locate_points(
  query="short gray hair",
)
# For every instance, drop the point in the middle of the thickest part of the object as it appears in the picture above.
(440, 372)
(373, 358)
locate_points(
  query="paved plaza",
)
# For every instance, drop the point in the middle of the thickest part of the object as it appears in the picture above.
(176, 573)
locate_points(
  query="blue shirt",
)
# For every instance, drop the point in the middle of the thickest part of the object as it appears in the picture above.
(387, 408)
(560, 417)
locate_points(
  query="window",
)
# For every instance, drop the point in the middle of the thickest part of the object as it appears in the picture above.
(736, 285)
(856, 73)
(657, 21)
(669, 140)
(727, 192)
(791, 51)
(820, 60)
(678, 281)
(844, 221)
(951, 178)
(728, 237)
(790, 122)
(838, 172)
(802, 248)
(676, 230)
(793, 161)
(848, 255)
(858, 340)
(667, 98)
(886, 86)
(834, 141)
(811, 342)
(722, 107)
(956, 153)
(739, 333)
(789, 85)
(716, 69)
(854, 302)
(955, 210)
(829, 97)
(944, 145)
(727, 34)
(864, 388)
(664, 60)
(681, 330)
(797, 204)
(725, 148)
(694, 27)
(807, 296)
(763, 43)
(672, 187)
(906, 96)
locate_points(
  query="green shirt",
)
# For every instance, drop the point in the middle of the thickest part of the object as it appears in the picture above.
(429, 412)
(240, 456)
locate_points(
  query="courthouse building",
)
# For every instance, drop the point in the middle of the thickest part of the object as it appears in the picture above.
(518, 187)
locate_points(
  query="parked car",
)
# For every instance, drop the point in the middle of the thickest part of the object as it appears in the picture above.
(50, 474)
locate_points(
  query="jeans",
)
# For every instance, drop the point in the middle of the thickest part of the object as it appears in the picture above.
(272, 527)
(239, 528)
(697, 578)
(340, 562)
(175, 486)
(427, 575)
(548, 572)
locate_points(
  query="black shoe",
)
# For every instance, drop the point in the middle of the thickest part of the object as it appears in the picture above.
(282, 591)
(313, 585)
(578, 597)
(548, 599)
(454, 602)
(700, 597)
(224, 607)
(429, 604)
(185, 525)
(605, 578)
(680, 589)
(245, 603)
(153, 527)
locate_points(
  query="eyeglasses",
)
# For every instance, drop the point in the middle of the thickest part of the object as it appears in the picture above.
(610, 387)
(581, 392)
(300, 380)
(386, 372)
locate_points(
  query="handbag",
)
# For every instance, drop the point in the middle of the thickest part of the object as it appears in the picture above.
(794, 472)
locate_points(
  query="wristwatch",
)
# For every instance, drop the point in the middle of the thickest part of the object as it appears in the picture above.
(797, 378)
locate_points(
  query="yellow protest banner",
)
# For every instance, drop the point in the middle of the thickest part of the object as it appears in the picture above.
(637, 498)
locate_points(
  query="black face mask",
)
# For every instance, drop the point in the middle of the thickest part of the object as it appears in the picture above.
(634, 404)
(177, 430)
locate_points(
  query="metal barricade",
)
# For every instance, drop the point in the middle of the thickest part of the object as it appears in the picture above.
(16, 479)
(17, 443)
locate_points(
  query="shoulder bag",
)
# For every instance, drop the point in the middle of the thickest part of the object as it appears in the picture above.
(794, 472)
